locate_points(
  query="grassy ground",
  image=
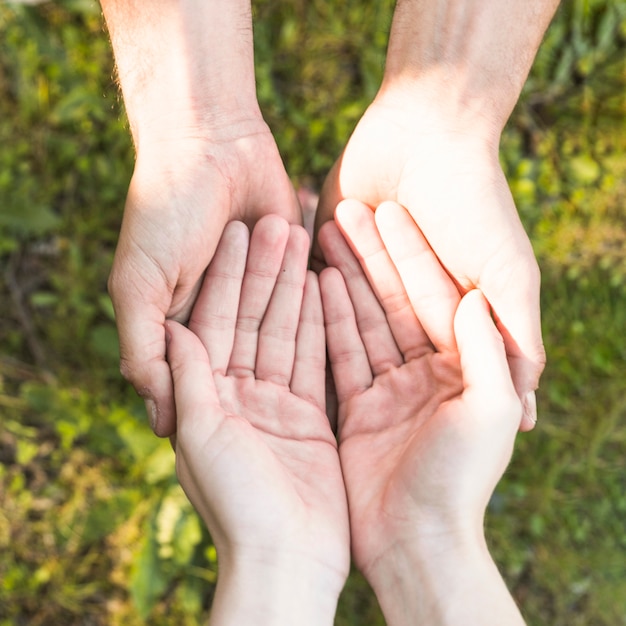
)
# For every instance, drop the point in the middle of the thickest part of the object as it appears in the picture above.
(93, 529)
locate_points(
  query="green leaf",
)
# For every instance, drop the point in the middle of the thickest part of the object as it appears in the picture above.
(147, 580)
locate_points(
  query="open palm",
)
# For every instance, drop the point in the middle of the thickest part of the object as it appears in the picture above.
(182, 194)
(448, 177)
(254, 450)
(414, 418)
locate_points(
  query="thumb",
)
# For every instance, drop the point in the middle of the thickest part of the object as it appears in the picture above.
(518, 321)
(142, 360)
(191, 375)
(140, 318)
(486, 376)
(517, 312)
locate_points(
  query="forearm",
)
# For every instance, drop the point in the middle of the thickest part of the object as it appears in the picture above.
(466, 56)
(276, 590)
(184, 65)
(443, 585)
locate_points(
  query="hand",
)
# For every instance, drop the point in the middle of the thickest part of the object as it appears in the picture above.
(425, 431)
(254, 450)
(447, 175)
(182, 194)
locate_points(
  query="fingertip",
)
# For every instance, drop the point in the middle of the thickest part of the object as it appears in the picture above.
(159, 400)
(182, 344)
(385, 209)
(237, 233)
(526, 424)
(300, 238)
(473, 307)
(348, 212)
(529, 412)
(312, 283)
(273, 224)
(330, 241)
(481, 348)
(351, 204)
(328, 278)
(269, 236)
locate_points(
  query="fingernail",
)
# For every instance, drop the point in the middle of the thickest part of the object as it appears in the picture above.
(529, 403)
(152, 412)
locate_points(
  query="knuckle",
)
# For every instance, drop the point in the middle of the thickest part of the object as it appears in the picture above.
(129, 372)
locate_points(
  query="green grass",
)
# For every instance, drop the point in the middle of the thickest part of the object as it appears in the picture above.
(93, 528)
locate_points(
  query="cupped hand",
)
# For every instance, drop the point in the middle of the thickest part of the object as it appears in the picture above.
(445, 171)
(254, 450)
(182, 194)
(425, 430)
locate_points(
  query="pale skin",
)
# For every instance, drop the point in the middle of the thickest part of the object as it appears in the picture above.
(425, 431)
(254, 450)
(204, 157)
(429, 141)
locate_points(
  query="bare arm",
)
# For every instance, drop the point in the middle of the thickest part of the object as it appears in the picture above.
(205, 156)
(430, 141)
(470, 57)
(425, 432)
(183, 64)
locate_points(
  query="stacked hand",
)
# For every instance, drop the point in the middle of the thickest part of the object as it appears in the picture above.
(425, 429)
(181, 196)
(429, 141)
(444, 169)
(254, 449)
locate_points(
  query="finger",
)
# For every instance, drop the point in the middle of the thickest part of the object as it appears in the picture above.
(265, 257)
(330, 196)
(194, 388)
(309, 370)
(348, 357)
(357, 223)
(382, 351)
(486, 374)
(513, 294)
(277, 336)
(432, 293)
(214, 316)
(140, 316)
(199, 413)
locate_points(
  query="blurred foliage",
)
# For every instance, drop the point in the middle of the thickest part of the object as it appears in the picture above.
(93, 527)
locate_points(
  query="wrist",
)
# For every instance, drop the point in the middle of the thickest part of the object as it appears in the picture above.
(195, 142)
(275, 587)
(427, 554)
(434, 107)
(442, 578)
(468, 58)
(185, 65)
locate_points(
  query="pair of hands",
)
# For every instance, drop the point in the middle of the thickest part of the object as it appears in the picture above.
(425, 427)
(184, 191)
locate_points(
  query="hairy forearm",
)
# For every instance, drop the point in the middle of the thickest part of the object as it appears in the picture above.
(468, 54)
(444, 584)
(183, 65)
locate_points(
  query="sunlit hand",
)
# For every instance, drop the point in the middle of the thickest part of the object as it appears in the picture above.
(425, 431)
(446, 173)
(182, 194)
(254, 450)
